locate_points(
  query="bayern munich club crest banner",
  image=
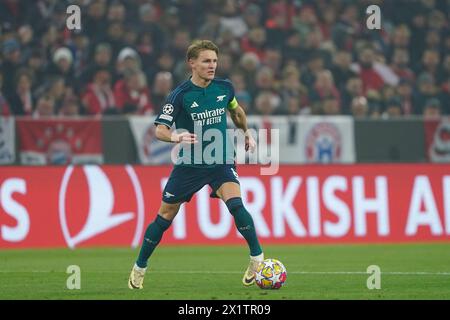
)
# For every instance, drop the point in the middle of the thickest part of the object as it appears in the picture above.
(310, 139)
(91, 205)
(7, 140)
(150, 150)
(437, 139)
(60, 142)
(326, 139)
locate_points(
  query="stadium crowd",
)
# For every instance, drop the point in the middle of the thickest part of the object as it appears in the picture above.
(283, 57)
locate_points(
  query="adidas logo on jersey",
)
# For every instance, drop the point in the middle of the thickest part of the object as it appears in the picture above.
(194, 105)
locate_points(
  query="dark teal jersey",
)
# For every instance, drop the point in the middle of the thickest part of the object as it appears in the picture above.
(201, 111)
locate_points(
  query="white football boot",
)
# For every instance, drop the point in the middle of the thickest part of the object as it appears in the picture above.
(249, 275)
(136, 279)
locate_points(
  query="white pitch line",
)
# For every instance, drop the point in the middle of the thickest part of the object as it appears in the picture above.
(424, 273)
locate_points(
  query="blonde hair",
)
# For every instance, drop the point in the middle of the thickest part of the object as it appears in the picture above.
(198, 46)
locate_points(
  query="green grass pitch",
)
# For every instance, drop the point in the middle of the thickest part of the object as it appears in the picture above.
(408, 271)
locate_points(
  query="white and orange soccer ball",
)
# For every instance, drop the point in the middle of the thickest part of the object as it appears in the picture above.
(270, 274)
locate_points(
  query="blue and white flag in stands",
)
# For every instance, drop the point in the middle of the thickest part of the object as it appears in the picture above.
(150, 150)
(7, 140)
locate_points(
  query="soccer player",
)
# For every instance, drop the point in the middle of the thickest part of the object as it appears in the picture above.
(200, 101)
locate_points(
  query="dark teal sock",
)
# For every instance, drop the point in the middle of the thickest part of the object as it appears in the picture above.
(245, 225)
(152, 237)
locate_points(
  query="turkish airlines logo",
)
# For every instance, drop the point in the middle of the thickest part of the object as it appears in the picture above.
(103, 197)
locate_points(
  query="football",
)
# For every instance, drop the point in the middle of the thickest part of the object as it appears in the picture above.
(270, 274)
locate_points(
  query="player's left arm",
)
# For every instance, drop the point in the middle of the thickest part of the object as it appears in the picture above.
(239, 119)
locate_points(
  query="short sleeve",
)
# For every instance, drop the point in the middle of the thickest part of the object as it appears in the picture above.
(170, 110)
(232, 102)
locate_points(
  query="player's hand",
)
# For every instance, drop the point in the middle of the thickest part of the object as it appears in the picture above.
(250, 143)
(184, 137)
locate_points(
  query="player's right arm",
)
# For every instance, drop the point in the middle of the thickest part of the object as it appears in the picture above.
(164, 133)
(166, 118)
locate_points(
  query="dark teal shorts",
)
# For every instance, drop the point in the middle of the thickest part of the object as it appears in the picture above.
(184, 182)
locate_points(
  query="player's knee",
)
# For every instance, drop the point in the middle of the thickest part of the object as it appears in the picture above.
(234, 204)
(169, 211)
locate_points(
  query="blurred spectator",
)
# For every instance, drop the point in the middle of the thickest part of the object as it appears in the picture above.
(255, 42)
(116, 12)
(250, 63)
(171, 22)
(210, 29)
(252, 16)
(165, 62)
(401, 37)
(148, 22)
(5, 109)
(132, 94)
(400, 64)
(405, 93)
(327, 21)
(99, 96)
(292, 87)
(267, 103)
(426, 89)
(57, 90)
(375, 102)
(163, 85)
(36, 63)
(273, 60)
(80, 51)
(330, 105)
(228, 43)
(70, 108)
(94, 21)
(324, 88)
(231, 19)
(446, 65)
(393, 109)
(11, 63)
(25, 36)
(347, 28)
(354, 88)
(181, 40)
(63, 65)
(314, 65)
(102, 58)
(370, 77)
(45, 107)
(21, 99)
(388, 92)
(115, 32)
(279, 21)
(341, 68)
(430, 65)
(360, 107)
(294, 107)
(432, 108)
(240, 90)
(264, 80)
(292, 46)
(127, 59)
(225, 65)
(147, 50)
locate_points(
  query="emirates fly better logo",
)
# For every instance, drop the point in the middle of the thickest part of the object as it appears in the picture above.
(95, 203)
